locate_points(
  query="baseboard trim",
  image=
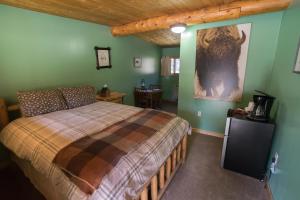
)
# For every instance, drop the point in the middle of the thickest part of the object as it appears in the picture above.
(210, 133)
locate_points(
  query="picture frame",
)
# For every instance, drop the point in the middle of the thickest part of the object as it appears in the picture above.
(225, 82)
(297, 60)
(103, 57)
(137, 62)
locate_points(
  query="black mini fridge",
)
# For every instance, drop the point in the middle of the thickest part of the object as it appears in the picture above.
(247, 146)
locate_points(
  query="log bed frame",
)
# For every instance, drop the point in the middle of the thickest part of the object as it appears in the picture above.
(156, 186)
(160, 181)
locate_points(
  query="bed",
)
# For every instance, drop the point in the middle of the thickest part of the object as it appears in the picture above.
(141, 166)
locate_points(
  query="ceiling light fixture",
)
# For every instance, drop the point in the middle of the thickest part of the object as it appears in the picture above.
(178, 28)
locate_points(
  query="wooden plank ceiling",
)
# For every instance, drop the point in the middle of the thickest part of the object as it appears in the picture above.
(119, 12)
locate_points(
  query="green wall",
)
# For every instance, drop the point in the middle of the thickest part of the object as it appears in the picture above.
(285, 86)
(169, 84)
(40, 51)
(171, 51)
(261, 53)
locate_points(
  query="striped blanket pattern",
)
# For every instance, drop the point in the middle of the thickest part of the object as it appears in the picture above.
(39, 139)
(87, 160)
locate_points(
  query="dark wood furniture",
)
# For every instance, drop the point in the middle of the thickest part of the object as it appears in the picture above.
(3, 114)
(4, 120)
(150, 98)
(115, 97)
(154, 86)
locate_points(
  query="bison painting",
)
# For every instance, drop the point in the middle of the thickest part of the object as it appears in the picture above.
(221, 58)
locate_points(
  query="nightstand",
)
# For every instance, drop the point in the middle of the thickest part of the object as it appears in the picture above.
(115, 97)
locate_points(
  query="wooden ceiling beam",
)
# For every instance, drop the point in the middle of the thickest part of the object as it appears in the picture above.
(228, 11)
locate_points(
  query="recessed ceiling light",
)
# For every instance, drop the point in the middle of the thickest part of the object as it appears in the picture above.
(178, 28)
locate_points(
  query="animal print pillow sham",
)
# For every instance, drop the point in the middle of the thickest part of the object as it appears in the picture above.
(79, 96)
(37, 102)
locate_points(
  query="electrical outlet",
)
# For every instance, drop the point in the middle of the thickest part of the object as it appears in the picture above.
(199, 113)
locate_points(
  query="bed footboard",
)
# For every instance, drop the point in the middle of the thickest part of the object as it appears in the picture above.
(156, 187)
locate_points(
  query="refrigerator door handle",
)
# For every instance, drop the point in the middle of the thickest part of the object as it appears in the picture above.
(228, 120)
(224, 150)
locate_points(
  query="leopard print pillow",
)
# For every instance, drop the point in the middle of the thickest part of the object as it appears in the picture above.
(39, 102)
(79, 96)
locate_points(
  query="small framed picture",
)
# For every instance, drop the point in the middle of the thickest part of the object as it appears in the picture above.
(103, 57)
(137, 62)
(297, 60)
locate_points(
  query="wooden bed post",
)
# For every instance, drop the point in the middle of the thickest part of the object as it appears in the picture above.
(154, 193)
(162, 177)
(178, 153)
(174, 160)
(144, 195)
(184, 145)
(160, 181)
(3, 114)
(168, 167)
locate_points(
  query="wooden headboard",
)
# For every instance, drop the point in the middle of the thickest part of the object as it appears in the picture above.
(3, 114)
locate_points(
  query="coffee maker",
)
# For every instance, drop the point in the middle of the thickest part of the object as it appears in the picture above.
(262, 106)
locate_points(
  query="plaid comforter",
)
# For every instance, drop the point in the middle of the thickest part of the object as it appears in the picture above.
(40, 139)
(90, 158)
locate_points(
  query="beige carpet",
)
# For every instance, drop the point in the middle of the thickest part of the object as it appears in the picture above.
(202, 178)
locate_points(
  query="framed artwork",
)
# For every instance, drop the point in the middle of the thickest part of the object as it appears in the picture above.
(221, 58)
(297, 61)
(137, 62)
(103, 57)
